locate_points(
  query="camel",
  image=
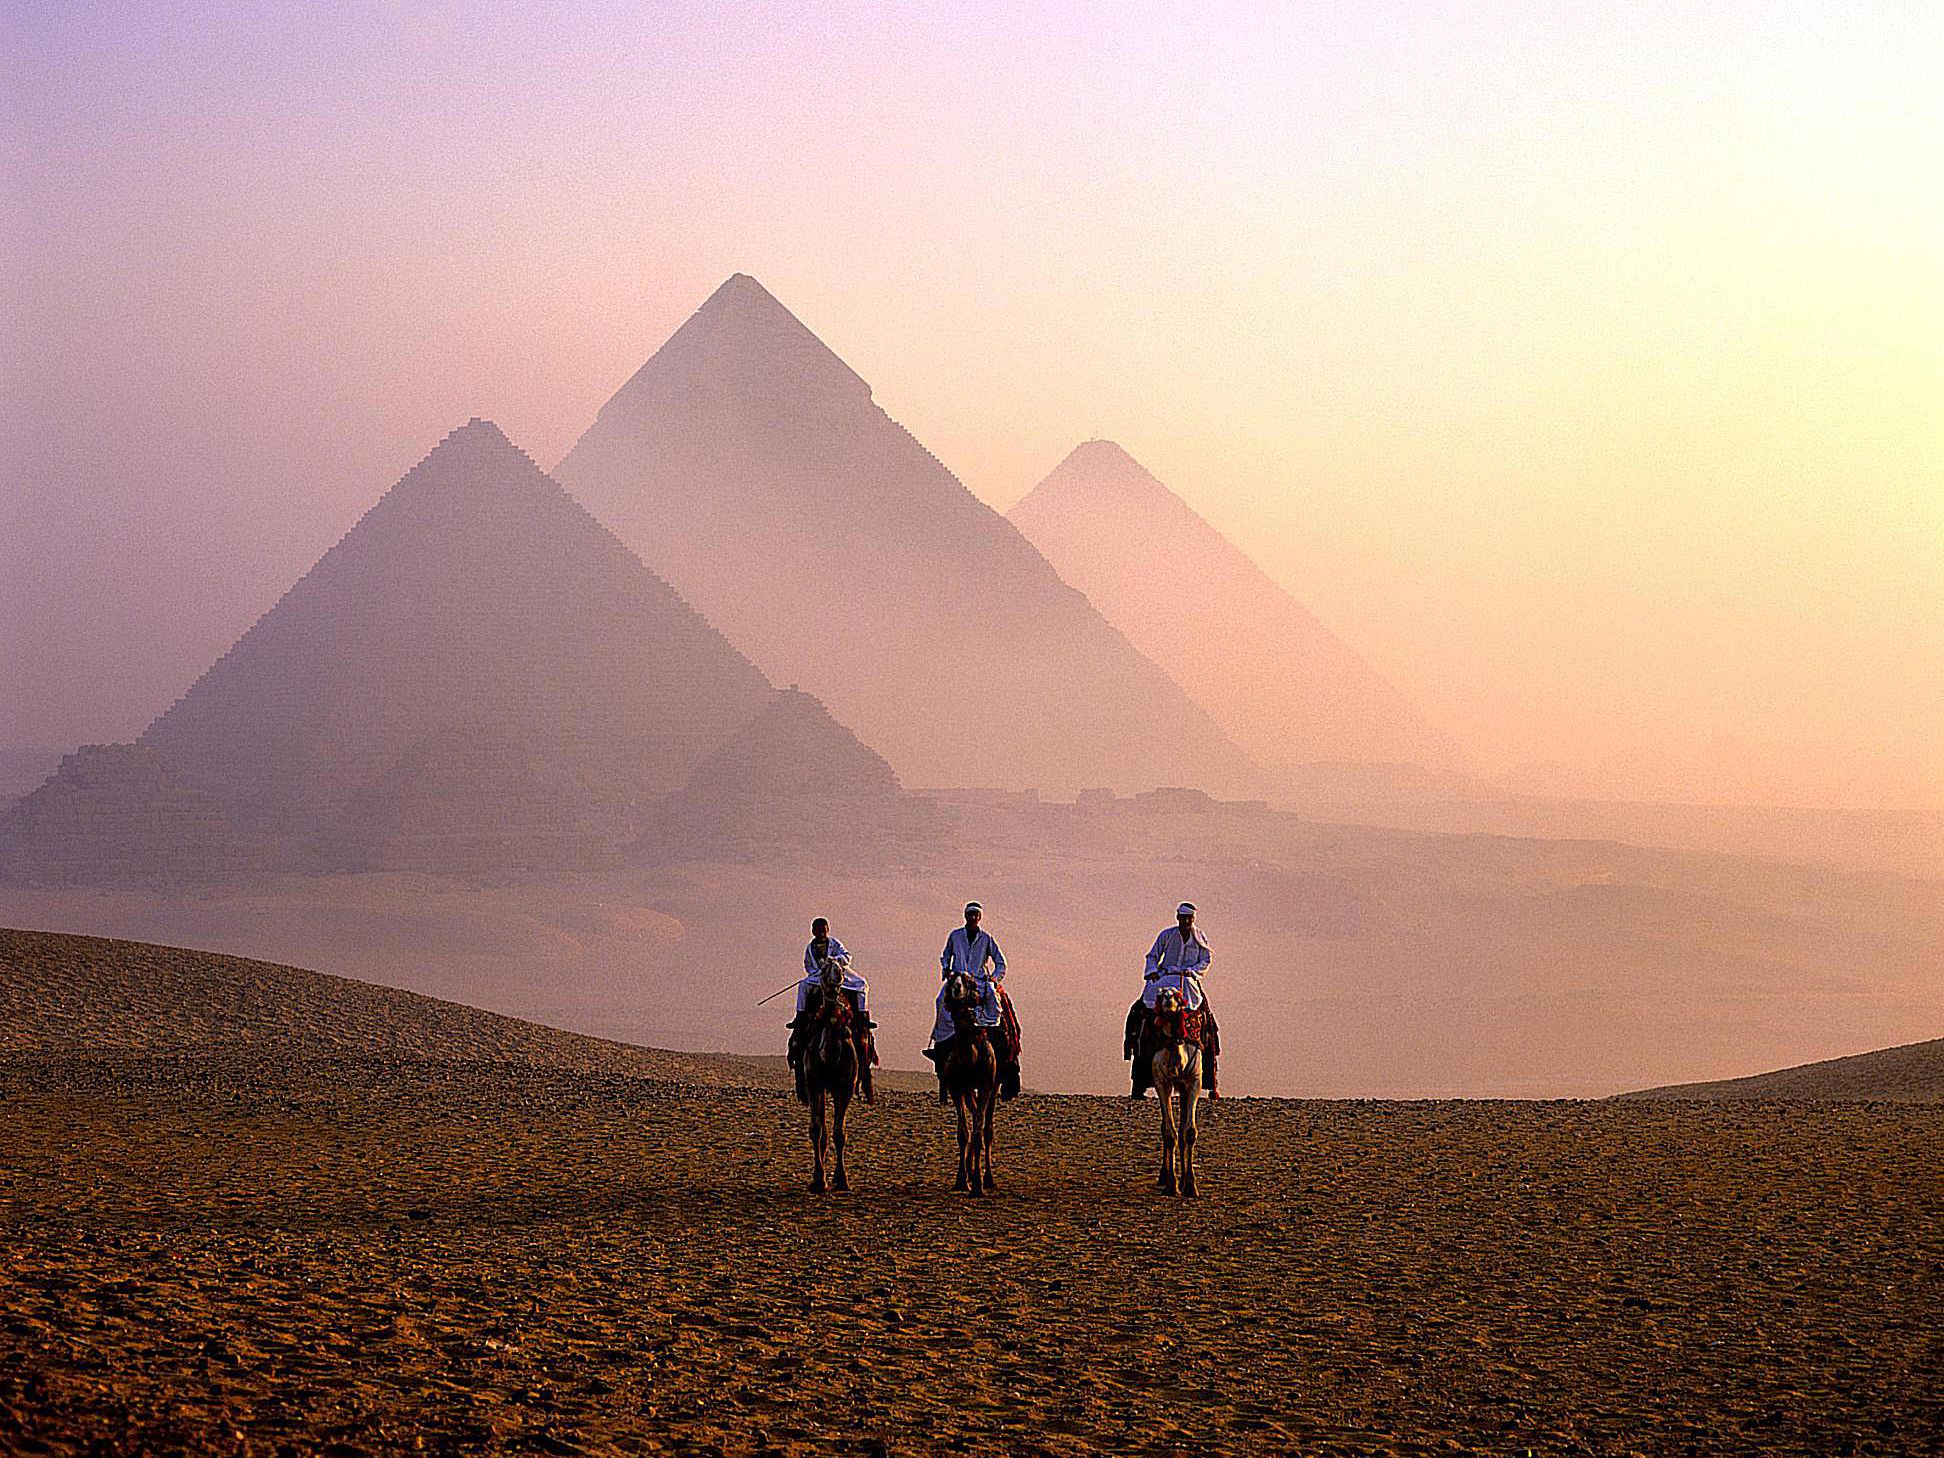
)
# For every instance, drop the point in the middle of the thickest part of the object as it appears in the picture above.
(1177, 1073)
(830, 1075)
(971, 1076)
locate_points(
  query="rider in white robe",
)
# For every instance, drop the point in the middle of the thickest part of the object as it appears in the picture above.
(1177, 959)
(971, 950)
(853, 982)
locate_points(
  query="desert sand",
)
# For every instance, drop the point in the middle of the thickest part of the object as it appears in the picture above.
(485, 1239)
(1913, 1073)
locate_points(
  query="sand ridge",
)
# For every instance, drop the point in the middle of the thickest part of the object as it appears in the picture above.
(65, 995)
(1912, 1073)
(237, 1256)
(246, 1209)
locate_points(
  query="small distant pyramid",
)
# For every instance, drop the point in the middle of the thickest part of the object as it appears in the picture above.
(748, 465)
(120, 813)
(794, 777)
(1282, 685)
(478, 600)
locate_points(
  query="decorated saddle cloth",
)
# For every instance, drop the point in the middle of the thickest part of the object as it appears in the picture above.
(1008, 1029)
(1143, 1036)
(1005, 1036)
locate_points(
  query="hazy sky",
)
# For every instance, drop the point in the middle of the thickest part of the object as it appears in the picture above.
(1581, 365)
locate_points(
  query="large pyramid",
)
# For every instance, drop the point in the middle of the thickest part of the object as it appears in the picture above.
(749, 466)
(477, 600)
(479, 676)
(1282, 685)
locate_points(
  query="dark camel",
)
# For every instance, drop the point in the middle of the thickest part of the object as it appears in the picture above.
(970, 1072)
(830, 1074)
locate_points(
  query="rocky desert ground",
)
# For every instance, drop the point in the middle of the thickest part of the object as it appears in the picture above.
(228, 1234)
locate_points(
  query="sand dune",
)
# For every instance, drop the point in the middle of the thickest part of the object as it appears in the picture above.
(210, 1255)
(1913, 1073)
(67, 996)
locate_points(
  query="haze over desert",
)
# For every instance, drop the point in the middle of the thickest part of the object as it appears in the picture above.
(910, 729)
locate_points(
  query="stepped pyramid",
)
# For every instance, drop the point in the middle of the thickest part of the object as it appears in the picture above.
(120, 812)
(749, 466)
(1282, 685)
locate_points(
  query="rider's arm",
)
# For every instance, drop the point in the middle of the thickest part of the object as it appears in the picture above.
(1154, 956)
(809, 961)
(998, 960)
(839, 954)
(945, 957)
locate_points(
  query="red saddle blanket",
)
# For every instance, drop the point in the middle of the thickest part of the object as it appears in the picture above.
(1008, 1029)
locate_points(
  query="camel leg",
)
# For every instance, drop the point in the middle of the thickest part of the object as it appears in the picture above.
(985, 1141)
(839, 1180)
(817, 1136)
(1165, 1088)
(965, 1138)
(1190, 1101)
(975, 1173)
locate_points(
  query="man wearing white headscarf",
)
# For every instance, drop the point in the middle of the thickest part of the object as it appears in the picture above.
(822, 948)
(1177, 959)
(971, 949)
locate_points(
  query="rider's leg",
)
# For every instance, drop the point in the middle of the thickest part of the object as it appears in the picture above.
(1135, 1048)
(799, 1031)
(941, 1030)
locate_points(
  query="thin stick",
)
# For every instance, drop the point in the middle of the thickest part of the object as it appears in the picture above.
(778, 993)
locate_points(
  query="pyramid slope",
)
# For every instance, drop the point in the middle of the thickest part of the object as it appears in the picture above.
(1276, 679)
(478, 599)
(119, 813)
(749, 466)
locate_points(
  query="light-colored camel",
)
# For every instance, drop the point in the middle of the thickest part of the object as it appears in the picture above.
(971, 1075)
(1177, 1075)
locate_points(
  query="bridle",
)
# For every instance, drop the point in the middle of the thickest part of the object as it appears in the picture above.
(833, 1008)
(961, 1001)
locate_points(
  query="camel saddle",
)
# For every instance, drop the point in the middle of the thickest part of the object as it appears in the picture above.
(1141, 1038)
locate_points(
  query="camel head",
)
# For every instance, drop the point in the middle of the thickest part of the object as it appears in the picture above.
(961, 993)
(1168, 1008)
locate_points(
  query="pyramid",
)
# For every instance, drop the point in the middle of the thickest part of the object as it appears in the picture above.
(476, 652)
(793, 778)
(747, 464)
(120, 813)
(1282, 685)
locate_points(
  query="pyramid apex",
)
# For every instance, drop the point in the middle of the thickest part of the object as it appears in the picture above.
(478, 430)
(1101, 451)
(742, 339)
(1097, 470)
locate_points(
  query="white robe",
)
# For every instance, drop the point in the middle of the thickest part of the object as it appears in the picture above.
(812, 979)
(981, 959)
(1177, 962)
